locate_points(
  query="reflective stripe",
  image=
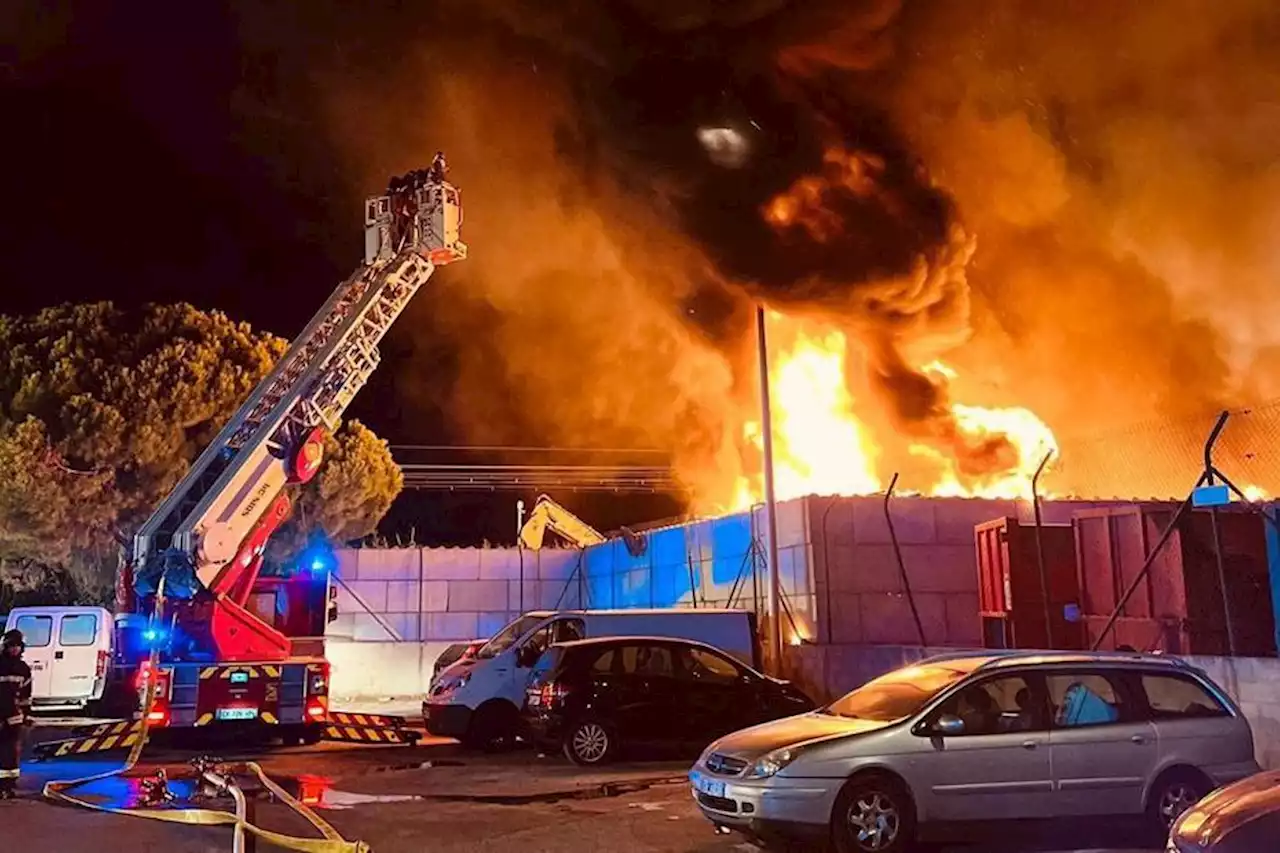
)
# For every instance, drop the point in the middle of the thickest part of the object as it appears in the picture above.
(27, 683)
(15, 679)
(10, 774)
(16, 720)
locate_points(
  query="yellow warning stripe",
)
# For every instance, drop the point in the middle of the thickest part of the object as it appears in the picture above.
(268, 718)
(81, 746)
(204, 720)
(208, 672)
(272, 671)
(364, 735)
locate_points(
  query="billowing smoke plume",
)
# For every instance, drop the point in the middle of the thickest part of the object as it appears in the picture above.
(1074, 201)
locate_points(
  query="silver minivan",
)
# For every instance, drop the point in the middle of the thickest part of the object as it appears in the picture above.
(978, 737)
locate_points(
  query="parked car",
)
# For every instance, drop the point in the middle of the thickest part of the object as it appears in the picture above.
(478, 700)
(1240, 818)
(595, 699)
(975, 737)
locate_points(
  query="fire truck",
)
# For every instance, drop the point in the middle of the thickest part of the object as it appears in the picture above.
(237, 649)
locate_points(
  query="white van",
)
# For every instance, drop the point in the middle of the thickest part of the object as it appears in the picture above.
(69, 652)
(478, 699)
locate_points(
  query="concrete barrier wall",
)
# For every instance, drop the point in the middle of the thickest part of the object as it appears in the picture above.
(713, 563)
(446, 594)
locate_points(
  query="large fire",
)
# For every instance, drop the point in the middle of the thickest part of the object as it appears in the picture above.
(822, 446)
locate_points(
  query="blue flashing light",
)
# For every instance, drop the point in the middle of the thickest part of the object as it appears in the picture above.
(319, 558)
(150, 635)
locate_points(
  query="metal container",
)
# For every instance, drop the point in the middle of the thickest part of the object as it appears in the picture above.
(1010, 595)
(1177, 607)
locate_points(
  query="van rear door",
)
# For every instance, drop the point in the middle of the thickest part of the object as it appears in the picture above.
(81, 647)
(37, 632)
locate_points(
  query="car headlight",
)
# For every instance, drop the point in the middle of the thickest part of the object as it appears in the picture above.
(773, 763)
(461, 681)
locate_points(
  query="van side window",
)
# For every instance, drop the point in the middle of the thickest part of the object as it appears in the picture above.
(1085, 699)
(1173, 697)
(79, 629)
(37, 631)
(568, 630)
(647, 660)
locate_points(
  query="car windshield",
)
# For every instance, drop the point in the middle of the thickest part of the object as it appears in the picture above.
(897, 694)
(505, 638)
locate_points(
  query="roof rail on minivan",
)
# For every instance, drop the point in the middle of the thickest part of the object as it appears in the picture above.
(997, 657)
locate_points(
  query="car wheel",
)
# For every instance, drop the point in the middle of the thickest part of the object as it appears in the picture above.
(589, 742)
(493, 728)
(873, 814)
(1173, 793)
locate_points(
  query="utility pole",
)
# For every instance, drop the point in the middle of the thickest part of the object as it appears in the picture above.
(770, 501)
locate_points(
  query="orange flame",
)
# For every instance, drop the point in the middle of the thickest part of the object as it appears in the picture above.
(822, 447)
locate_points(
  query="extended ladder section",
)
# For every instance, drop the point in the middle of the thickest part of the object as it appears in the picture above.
(276, 437)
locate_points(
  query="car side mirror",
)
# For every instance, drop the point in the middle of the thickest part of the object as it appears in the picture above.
(948, 725)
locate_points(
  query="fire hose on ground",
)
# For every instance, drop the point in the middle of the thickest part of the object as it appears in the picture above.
(219, 778)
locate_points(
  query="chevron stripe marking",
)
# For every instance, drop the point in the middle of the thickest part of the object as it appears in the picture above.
(208, 672)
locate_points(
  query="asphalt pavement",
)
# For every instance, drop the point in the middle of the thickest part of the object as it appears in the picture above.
(434, 796)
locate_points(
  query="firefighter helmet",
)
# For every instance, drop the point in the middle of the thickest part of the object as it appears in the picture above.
(13, 638)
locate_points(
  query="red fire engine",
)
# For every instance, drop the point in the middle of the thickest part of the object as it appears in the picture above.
(237, 648)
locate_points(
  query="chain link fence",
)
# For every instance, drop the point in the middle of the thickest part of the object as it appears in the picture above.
(1164, 459)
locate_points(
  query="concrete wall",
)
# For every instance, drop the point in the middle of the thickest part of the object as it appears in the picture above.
(827, 672)
(445, 594)
(714, 563)
(860, 597)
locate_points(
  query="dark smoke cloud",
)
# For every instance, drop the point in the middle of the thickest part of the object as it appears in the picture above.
(1072, 200)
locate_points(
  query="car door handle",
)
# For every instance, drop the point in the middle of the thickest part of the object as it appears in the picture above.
(1029, 744)
(57, 655)
(1138, 739)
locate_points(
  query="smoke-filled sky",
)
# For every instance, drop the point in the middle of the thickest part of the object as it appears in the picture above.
(1073, 202)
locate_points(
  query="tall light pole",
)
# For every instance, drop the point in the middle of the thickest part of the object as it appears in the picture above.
(770, 501)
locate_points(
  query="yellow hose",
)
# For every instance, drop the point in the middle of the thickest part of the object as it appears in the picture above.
(331, 842)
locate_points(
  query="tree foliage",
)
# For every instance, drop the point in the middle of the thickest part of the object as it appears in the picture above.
(102, 410)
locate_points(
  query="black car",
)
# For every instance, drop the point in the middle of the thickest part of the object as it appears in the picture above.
(596, 698)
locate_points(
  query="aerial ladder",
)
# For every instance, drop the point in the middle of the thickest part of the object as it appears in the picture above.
(549, 516)
(202, 549)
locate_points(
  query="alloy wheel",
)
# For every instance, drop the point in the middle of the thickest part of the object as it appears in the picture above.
(1176, 799)
(590, 742)
(874, 820)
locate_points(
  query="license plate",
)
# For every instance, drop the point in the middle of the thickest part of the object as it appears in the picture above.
(710, 787)
(535, 699)
(237, 713)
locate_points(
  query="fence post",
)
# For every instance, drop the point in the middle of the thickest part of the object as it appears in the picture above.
(1044, 574)
(902, 566)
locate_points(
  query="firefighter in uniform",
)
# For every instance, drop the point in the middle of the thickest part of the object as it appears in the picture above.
(15, 703)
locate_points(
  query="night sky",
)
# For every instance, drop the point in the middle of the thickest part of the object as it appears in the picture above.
(161, 152)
